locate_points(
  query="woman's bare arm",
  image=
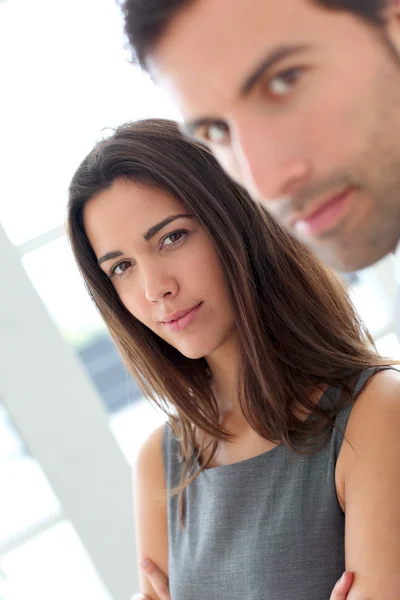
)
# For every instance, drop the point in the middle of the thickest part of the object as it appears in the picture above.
(150, 508)
(369, 467)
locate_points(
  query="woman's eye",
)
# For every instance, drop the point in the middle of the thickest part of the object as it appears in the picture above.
(216, 133)
(282, 84)
(121, 268)
(172, 239)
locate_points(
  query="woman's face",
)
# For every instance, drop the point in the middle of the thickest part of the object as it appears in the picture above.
(163, 266)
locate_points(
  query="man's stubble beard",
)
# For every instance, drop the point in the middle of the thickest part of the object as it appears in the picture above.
(376, 177)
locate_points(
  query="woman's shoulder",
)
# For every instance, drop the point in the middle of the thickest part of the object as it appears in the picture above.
(378, 399)
(160, 457)
(371, 391)
(373, 426)
(150, 456)
(370, 486)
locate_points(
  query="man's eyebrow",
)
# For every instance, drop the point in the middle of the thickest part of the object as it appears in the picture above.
(269, 61)
(147, 236)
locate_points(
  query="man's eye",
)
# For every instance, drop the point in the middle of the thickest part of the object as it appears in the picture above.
(283, 83)
(121, 268)
(216, 133)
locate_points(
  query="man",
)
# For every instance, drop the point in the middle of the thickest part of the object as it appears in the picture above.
(299, 100)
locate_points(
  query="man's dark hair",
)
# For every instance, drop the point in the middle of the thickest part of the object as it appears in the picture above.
(147, 20)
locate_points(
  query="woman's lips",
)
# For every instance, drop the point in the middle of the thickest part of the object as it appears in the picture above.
(182, 322)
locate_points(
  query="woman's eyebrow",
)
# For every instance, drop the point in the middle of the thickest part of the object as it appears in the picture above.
(109, 256)
(147, 236)
(156, 228)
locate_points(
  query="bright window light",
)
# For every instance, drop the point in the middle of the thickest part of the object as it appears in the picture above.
(65, 78)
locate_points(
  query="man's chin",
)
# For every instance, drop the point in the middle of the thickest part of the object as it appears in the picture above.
(347, 261)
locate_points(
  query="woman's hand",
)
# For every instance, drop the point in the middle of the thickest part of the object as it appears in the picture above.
(160, 583)
(342, 587)
(157, 579)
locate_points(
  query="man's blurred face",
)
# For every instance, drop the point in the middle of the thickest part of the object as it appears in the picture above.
(300, 105)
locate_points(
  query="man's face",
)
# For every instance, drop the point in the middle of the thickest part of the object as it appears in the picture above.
(300, 105)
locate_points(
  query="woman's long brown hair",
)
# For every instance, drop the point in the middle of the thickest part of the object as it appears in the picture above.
(298, 328)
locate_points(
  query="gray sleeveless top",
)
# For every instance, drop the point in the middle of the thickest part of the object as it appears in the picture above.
(269, 527)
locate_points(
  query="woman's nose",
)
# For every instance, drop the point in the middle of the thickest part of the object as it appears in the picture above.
(159, 286)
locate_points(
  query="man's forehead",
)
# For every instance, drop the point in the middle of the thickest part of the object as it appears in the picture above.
(213, 45)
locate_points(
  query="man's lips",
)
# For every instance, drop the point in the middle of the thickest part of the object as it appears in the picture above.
(323, 217)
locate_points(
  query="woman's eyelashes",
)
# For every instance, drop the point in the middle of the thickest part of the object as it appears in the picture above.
(119, 269)
(174, 239)
(168, 242)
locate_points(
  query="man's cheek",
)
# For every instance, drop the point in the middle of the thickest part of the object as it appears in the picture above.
(228, 162)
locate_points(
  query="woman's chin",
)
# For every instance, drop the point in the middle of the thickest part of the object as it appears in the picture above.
(193, 352)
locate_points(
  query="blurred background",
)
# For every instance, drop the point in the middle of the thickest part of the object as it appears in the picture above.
(71, 419)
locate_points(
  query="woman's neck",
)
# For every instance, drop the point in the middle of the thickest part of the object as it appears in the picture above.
(223, 366)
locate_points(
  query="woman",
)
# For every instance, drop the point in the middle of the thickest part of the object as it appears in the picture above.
(256, 354)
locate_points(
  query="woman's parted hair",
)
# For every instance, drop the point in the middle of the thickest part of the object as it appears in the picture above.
(147, 20)
(298, 329)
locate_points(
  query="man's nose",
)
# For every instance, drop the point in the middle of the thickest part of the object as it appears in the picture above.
(270, 165)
